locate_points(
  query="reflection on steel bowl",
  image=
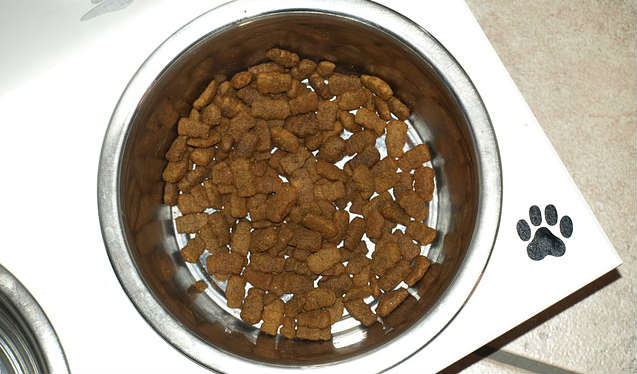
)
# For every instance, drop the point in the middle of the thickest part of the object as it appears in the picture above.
(447, 115)
(28, 342)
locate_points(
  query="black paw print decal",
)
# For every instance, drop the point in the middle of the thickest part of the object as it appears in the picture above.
(544, 241)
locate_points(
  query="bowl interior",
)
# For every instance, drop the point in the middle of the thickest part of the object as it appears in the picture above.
(436, 120)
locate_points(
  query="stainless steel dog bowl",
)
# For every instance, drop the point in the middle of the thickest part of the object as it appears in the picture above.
(361, 36)
(28, 343)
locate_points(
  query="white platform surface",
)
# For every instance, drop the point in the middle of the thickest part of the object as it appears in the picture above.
(60, 79)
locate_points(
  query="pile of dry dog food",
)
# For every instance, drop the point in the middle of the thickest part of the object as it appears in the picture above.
(259, 152)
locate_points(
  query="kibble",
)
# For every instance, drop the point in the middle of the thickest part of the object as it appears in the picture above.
(253, 172)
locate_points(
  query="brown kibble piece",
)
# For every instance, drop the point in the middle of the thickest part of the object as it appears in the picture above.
(347, 120)
(302, 125)
(361, 311)
(393, 276)
(170, 194)
(225, 90)
(257, 278)
(316, 319)
(266, 67)
(221, 173)
(424, 182)
(354, 233)
(298, 88)
(206, 96)
(396, 136)
(202, 156)
(390, 301)
(325, 68)
(332, 149)
(386, 255)
(362, 279)
(191, 223)
(368, 157)
(282, 57)
(363, 181)
(270, 109)
(308, 333)
(306, 239)
(418, 269)
(330, 171)
(326, 114)
(287, 328)
(320, 224)
(190, 127)
(177, 149)
(414, 205)
(398, 108)
(414, 158)
(318, 298)
(357, 264)
(335, 270)
(341, 83)
(188, 203)
(249, 94)
(267, 263)
(243, 178)
(272, 317)
(341, 221)
(304, 103)
(350, 100)
(303, 70)
(211, 115)
(339, 284)
(382, 108)
(377, 86)
(392, 212)
(240, 124)
(408, 248)
(213, 195)
(294, 306)
(359, 141)
(357, 293)
(238, 208)
(273, 82)
(296, 266)
(279, 205)
(403, 184)
(235, 291)
(224, 262)
(174, 171)
(323, 259)
(192, 178)
(198, 287)
(329, 191)
(252, 306)
(319, 86)
(212, 139)
(241, 80)
(374, 223)
(421, 232)
(284, 139)
(240, 242)
(231, 107)
(370, 120)
(193, 249)
(263, 239)
(293, 283)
